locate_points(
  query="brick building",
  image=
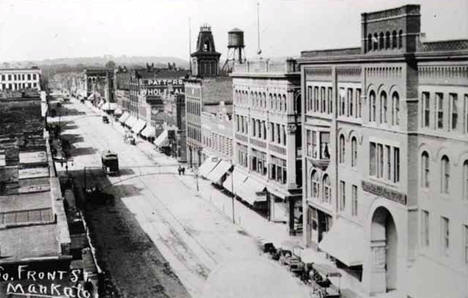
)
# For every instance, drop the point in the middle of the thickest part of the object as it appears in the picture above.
(267, 135)
(385, 164)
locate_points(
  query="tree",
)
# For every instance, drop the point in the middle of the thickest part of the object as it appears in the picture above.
(110, 64)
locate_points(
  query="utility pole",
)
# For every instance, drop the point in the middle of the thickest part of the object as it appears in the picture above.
(233, 194)
(84, 177)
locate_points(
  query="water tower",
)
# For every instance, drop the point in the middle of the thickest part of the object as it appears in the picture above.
(235, 49)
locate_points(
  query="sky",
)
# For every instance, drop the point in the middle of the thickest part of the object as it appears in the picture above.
(42, 29)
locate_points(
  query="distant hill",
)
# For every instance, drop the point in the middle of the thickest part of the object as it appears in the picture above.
(98, 61)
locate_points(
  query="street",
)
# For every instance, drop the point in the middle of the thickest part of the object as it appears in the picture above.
(158, 216)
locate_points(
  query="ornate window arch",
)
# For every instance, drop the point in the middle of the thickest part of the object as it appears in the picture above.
(381, 41)
(353, 151)
(372, 106)
(315, 184)
(383, 107)
(394, 40)
(342, 149)
(445, 174)
(395, 108)
(425, 169)
(400, 39)
(387, 40)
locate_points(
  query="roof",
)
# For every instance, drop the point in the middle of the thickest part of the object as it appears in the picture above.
(33, 173)
(217, 89)
(35, 241)
(444, 45)
(33, 157)
(29, 201)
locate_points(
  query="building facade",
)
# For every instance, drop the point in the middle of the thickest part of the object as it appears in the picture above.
(205, 60)
(385, 138)
(216, 131)
(267, 137)
(99, 83)
(20, 79)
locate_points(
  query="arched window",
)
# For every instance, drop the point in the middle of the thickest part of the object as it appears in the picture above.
(400, 39)
(342, 149)
(395, 109)
(369, 42)
(353, 152)
(465, 180)
(326, 193)
(372, 108)
(315, 184)
(445, 175)
(387, 40)
(375, 42)
(284, 103)
(383, 107)
(425, 169)
(381, 40)
(394, 40)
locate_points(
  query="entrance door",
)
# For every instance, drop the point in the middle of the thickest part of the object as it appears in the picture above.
(384, 245)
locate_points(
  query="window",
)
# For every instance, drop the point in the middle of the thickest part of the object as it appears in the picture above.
(375, 42)
(445, 235)
(342, 101)
(284, 135)
(465, 180)
(381, 41)
(354, 206)
(358, 103)
(349, 98)
(383, 107)
(380, 161)
(272, 132)
(400, 39)
(369, 42)
(465, 233)
(353, 152)
(426, 104)
(315, 184)
(323, 100)
(342, 195)
(425, 169)
(395, 109)
(454, 110)
(425, 228)
(372, 159)
(330, 100)
(309, 98)
(440, 110)
(387, 40)
(394, 40)
(388, 164)
(342, 149)
(372, 106)
(445, 175)
(396, 165)
(316, 99)
(326, 194)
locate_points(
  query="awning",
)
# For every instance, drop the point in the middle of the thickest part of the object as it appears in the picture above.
(250, 191)
(108, 106)
(117, 112)
(91, 97)
(217, 173)
(345, 242)
(148, 132)
(138, 126)
(130, 121)
(101, 104)
(124, 117)
(162, 140)
(207, 166)
(236, 177)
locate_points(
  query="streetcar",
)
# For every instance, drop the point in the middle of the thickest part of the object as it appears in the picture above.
(110, 163)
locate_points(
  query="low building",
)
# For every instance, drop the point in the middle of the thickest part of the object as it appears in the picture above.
(385, 164)
(267, 139)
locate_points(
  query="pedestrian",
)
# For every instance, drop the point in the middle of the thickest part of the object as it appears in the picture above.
(179, 170)
(183, 170)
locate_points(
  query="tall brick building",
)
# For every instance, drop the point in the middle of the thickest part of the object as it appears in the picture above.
(385, 132)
